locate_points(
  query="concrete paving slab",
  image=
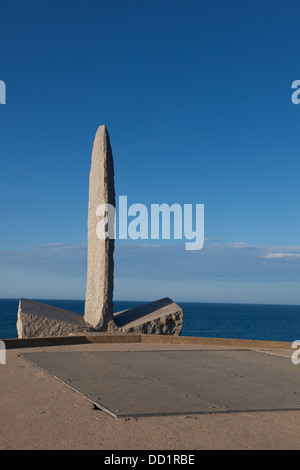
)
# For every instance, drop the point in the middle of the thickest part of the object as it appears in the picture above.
(39, 412)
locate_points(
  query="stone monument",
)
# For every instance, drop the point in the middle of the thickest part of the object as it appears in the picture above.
(40, 320)
(100, 272)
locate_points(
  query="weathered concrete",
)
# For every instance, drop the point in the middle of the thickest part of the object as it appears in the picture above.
(100, 281)
(162, 317)
(36, 319)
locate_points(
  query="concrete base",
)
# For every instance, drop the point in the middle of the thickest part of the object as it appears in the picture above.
(39, 412)
(38, 320)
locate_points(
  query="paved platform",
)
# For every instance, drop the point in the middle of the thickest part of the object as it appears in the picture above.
(154, 383)
(37, 411)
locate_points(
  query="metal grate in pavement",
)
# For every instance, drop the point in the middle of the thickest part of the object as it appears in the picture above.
(154, 383)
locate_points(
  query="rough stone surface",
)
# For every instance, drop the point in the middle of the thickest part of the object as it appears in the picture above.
(100, 281)
(39, 320)
(163, 317)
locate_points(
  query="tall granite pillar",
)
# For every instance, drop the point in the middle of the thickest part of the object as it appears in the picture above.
(100, 280)
(160, 317)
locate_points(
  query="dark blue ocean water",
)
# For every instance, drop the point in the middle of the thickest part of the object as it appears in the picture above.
(215, 320)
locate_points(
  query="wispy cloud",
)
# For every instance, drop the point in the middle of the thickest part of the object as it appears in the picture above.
(282, 255)
(60, 258)
(216, 261)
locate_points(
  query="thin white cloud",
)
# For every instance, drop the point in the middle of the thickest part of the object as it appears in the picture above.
(282, 255)
(239, 245)
(61, 258)
(238, 261)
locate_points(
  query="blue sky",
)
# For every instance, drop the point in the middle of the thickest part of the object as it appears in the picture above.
(197, 100)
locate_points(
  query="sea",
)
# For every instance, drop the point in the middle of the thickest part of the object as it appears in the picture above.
(212, 320)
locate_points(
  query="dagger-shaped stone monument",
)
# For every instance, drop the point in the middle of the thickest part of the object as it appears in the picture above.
(40, 320)
(100, 272)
